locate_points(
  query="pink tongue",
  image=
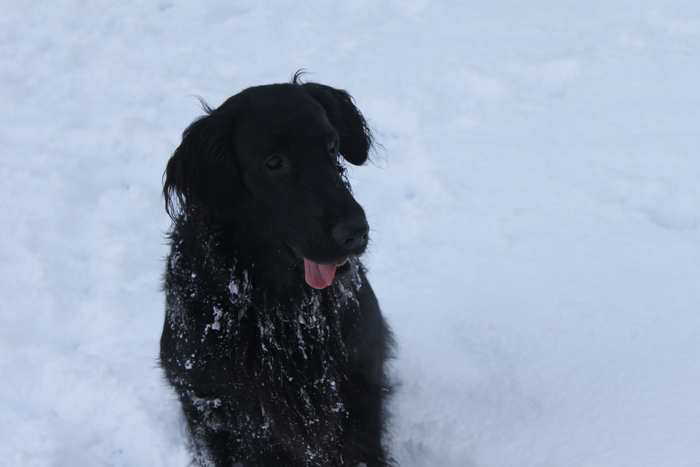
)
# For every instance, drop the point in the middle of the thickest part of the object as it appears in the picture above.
(319, 276)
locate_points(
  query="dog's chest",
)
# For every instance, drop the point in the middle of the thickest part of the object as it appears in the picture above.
(222, 324)
(237, 346)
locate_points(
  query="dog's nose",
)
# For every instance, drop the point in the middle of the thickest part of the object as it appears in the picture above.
(352, 234)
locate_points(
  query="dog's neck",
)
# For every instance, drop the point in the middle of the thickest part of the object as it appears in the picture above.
(235, 251)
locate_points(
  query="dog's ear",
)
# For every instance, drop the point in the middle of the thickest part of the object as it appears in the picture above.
(355, 135)
(201, 170)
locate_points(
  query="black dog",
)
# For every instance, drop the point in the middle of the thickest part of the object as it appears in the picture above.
(273, 338)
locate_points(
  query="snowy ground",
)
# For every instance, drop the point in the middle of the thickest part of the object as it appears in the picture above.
(535, 207)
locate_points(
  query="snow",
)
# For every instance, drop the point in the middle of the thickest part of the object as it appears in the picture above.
(534, 206)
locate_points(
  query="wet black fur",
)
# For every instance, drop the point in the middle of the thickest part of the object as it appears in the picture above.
(269, 371)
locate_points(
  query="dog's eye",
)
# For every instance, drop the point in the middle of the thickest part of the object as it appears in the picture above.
(332, 147)
(274, 163)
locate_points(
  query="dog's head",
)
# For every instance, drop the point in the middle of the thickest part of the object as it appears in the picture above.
(269, 160)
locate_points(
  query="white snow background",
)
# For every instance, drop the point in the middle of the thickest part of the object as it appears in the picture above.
(535, 209)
